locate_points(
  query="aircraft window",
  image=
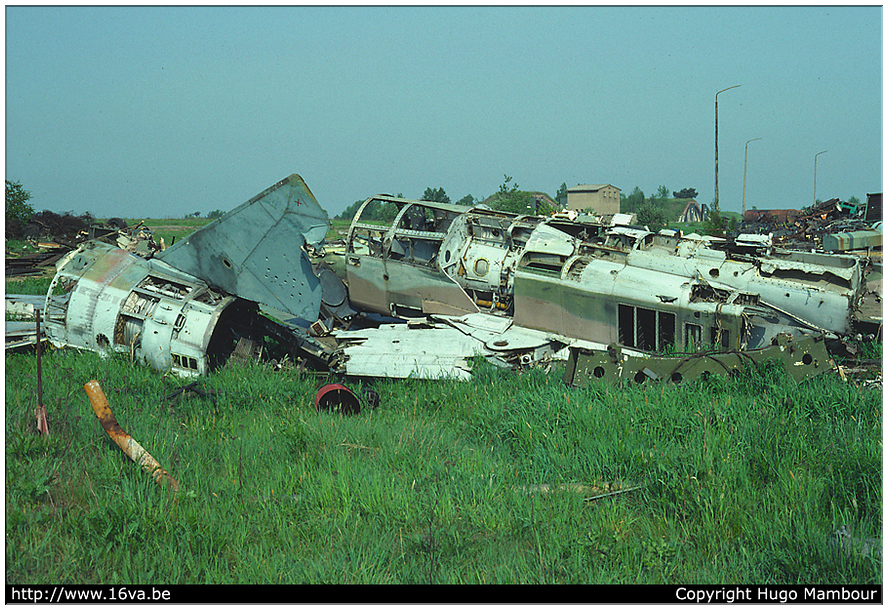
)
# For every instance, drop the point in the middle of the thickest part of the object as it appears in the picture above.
(366, 242)
(424, 251)
(646, 329)
(719, 337)
(418, 218)
(399, 249)
(693, 336)
(665, 329)
(184, 362)
(626, 325)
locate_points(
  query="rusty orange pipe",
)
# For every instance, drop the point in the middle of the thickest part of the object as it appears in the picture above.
(130, 447)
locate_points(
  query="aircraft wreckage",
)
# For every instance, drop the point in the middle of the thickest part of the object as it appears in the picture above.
(422, 295)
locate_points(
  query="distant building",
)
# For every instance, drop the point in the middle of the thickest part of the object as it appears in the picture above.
(539, 198)
(692, 212)
(600, 198)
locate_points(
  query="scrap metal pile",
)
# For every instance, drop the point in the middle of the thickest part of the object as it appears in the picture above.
(831, 226)
(442, 284)
(53, 236)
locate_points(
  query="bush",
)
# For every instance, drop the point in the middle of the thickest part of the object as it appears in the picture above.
(17, 207)
(652, 216)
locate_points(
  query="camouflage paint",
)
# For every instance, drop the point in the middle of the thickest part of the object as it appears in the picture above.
(387, 287)
(802, 358)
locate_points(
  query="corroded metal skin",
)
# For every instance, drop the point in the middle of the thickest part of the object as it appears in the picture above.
(107, 300)
(259, 250)
(127, 443)
(553, 281)
(586, 278)
(801, 359)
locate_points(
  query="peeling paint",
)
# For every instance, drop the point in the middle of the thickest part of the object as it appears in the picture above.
(122, 439)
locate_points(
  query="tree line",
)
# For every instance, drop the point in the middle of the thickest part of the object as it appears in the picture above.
(509, 198)
(652, 211)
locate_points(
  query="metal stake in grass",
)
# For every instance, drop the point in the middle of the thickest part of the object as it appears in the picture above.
(40, 411)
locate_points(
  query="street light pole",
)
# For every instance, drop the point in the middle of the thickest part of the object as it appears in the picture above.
(815, 175)
(745, 153)
(716, 141)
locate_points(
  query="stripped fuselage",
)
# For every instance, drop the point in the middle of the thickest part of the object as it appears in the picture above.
(584, 279)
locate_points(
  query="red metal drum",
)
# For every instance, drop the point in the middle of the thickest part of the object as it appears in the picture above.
(333, 396)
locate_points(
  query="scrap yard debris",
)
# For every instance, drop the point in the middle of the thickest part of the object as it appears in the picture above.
(832, 225)
(441, 284)
(53, 236)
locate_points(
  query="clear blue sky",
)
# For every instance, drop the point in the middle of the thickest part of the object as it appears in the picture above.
(159, 111)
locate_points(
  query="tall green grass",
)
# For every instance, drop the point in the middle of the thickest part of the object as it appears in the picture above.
(29, 285)
(741, 480)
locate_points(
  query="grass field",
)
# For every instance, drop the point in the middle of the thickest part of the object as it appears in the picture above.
(738, 481)
(502, 479)
(170, 229)
(174, 229)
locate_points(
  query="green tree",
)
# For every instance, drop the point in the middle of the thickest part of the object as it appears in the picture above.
(349, 212)
(17, 206)
(437, 194)
(375, 210)
(687, 193)
(215, 214)
(468, 200)
(387, 211)
(652, 216)
(543, 208)
(510, 199)
(634, 201)
(662, 192)
(561, 194)
(733, 224)
(371, 212)
(715, 224)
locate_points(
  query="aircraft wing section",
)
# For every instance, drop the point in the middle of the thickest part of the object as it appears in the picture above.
(399, 351)
(441, 346)
(257, 251)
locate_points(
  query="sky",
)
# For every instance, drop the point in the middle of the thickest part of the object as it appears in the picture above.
(148, 112)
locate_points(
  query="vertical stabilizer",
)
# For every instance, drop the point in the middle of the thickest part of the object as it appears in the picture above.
(257, 251)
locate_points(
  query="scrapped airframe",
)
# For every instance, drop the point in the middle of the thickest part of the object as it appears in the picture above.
(440, 284)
